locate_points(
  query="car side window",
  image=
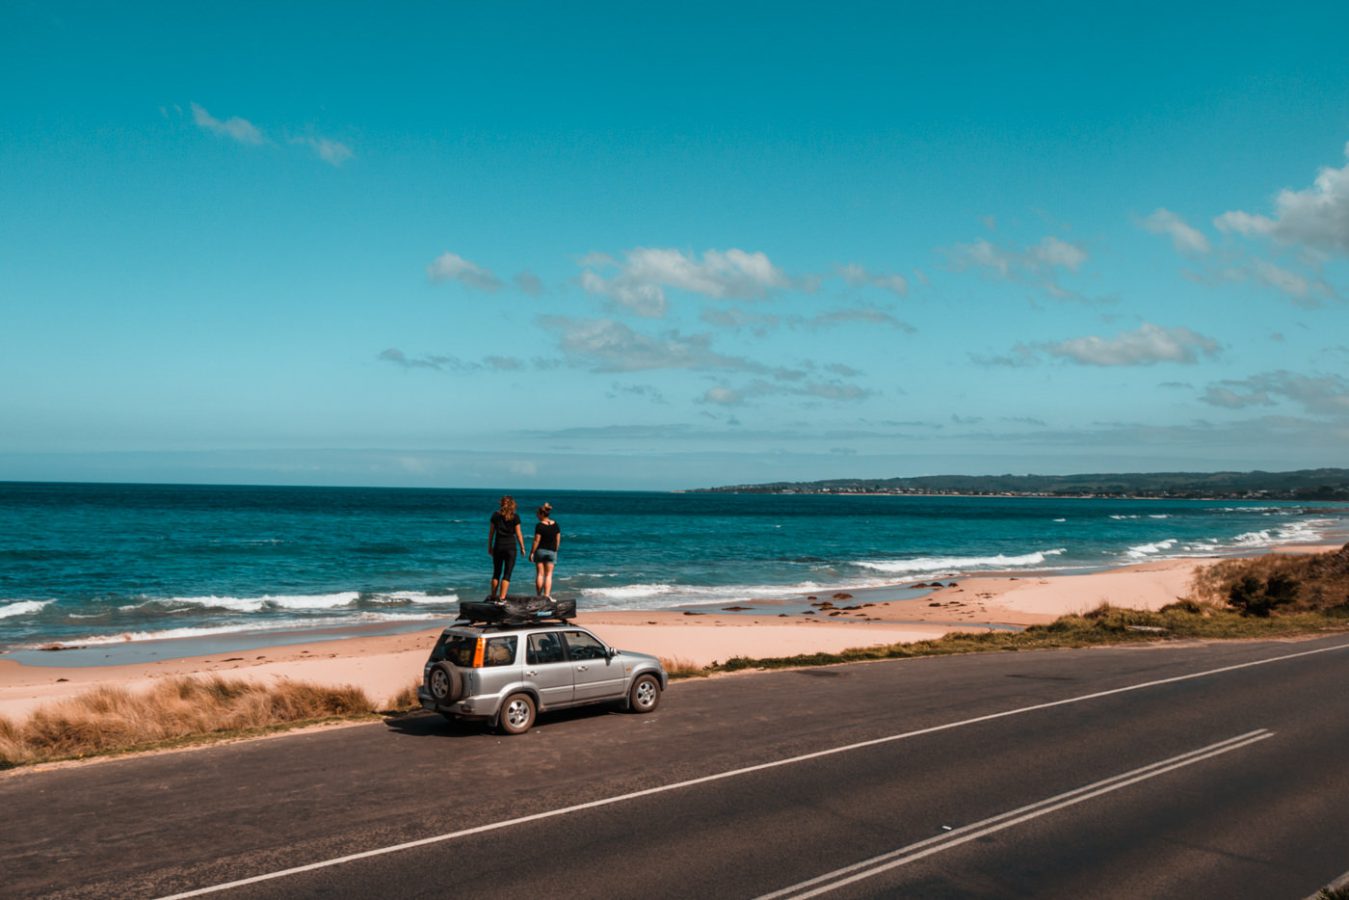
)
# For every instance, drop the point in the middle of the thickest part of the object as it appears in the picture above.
(500, 651)
(543, 648)
(583, 646)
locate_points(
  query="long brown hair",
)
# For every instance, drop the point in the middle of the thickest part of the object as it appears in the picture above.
(508, 507)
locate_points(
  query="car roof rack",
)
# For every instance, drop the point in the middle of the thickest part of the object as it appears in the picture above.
(516, 611)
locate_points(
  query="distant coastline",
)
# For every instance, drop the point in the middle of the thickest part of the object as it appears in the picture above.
(1302, 485)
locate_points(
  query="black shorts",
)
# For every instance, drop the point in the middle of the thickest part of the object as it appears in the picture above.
(503, 564)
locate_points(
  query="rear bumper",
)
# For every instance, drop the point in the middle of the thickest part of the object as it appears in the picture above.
(469, 708)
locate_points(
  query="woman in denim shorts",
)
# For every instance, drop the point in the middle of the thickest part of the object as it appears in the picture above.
(547, 539)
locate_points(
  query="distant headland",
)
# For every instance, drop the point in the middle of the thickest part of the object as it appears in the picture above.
(1303, 484)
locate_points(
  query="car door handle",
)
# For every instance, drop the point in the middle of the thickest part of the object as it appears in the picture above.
(531, 673)
(581, 668)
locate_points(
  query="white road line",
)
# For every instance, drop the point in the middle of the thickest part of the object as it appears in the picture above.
(734, 773)
(868, 868)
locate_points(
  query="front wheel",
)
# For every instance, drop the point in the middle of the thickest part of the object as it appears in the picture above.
(644, 696)
(517, 714)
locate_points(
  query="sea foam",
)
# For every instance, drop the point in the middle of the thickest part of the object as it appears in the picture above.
(166, 634)
(1142, 551)
(23, 608)
(959, 563)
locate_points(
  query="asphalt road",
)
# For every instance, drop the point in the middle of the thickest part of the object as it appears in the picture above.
(1105, 773)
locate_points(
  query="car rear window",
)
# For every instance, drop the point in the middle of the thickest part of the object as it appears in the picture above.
(456, 649)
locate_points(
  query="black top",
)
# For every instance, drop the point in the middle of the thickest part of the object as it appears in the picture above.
(547, 535)
(503, 531)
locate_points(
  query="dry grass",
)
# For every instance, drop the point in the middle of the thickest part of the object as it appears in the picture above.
(405, 700)
(111, 720)
(679, 667)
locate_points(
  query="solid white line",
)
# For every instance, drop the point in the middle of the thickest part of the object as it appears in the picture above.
(963, 835)
(949, 835)
(734, 773)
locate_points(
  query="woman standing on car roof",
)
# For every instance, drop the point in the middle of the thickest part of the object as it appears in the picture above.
(547, 540)
(503, 536)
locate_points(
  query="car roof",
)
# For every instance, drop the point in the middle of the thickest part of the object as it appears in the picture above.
(498, 628)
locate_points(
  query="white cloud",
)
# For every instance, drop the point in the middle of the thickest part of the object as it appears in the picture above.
(834, 390)
(1317, 217)
(241, 130)
(608, 346)
(858, 276)
(603, 345)
(443, 363)
(1146, 345)
(453, 267)
(529, 283)
(1244, 223)
(1055, 252)
(1039, 265)
(333, 152)
(868, 315)
(1184, 237)
(646, 272)
(983, 254)
(1301, 289)
(738, 319)
(1323, 394)
(1281, 279)
(723, 396)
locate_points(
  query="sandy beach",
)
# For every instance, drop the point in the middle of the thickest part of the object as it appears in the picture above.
(385, 664)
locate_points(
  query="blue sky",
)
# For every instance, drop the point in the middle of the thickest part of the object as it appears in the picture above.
(648, 246)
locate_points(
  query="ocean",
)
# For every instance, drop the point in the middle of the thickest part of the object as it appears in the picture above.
(102, 563)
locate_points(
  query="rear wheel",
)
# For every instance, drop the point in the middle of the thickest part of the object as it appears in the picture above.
(444, 683)
(644, 696)
(517, 714)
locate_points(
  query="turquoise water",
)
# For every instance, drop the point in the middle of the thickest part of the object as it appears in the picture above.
(114, 563)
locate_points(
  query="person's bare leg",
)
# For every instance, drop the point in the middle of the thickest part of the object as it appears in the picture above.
(505, 589)
(546, 571)
(493, 591)
(538, 578)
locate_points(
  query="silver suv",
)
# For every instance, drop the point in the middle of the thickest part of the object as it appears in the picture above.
(508, 674)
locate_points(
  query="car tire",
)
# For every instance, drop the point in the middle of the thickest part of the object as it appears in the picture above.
(444, 683)
(644, 695)
(517, 714)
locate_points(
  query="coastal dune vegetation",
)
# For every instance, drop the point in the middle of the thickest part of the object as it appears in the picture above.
(1280, 583)
(1277, 595)
(175, 711)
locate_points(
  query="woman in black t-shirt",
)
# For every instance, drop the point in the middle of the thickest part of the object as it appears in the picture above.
(547, 538)
(503, 535)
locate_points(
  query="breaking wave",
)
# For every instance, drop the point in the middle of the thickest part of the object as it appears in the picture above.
(1143, 551)
(23, 608)
(168, 634)
(959, 563)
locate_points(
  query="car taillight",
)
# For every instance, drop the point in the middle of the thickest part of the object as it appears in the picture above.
(478, 651)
